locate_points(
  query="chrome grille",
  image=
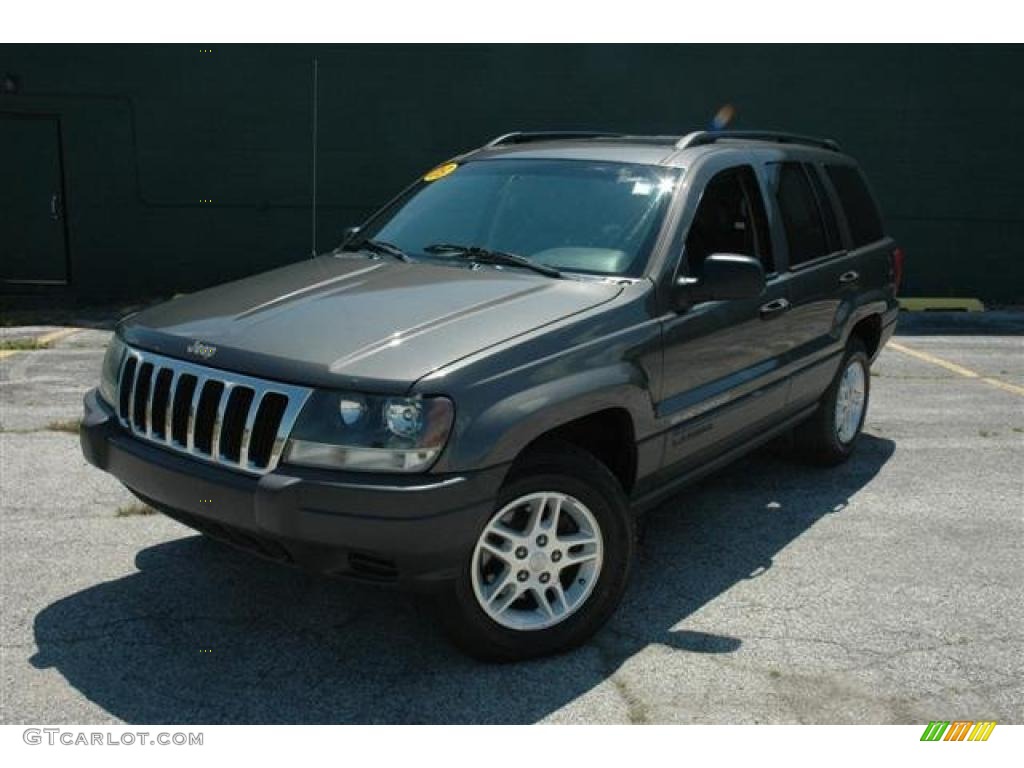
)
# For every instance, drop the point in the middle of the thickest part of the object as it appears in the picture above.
(219, 417)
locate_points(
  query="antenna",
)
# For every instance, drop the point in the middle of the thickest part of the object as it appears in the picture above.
(316, 104)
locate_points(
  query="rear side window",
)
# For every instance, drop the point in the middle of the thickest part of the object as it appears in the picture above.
(861, 211)
(827, 213)
(801, 220)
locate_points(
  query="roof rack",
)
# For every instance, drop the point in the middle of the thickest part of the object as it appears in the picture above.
(700, 138)
(524, 137)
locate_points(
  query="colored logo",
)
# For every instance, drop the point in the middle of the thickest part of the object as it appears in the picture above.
(958, 730)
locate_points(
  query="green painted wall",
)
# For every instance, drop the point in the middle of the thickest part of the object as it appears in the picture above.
(150, 131)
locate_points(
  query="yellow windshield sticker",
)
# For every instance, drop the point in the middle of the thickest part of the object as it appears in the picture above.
(440, 172)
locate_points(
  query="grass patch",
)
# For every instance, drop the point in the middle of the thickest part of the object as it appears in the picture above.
(68, 425)
(134, 510)
(22, 345)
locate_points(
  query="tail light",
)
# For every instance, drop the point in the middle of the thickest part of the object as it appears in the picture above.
(897, 267)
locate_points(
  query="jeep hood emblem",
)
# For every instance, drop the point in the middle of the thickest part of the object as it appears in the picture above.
(205, 351)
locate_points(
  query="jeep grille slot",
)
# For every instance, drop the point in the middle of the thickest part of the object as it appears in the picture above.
(223, 418)
(206, 415)
(181, 402)
(161, 398)
(238, 404)
(141, 398)
(265, 429)
(125, 391)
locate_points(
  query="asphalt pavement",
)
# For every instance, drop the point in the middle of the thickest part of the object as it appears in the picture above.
(887, 590)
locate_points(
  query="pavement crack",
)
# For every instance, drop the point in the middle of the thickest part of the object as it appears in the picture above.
(611, 655)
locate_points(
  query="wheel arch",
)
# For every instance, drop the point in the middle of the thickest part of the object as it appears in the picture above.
(869, 330)
(603, 412)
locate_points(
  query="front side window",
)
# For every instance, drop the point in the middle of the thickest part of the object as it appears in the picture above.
(574, 215)
(729, 219)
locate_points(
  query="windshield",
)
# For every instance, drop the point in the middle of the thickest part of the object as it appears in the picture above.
(572, 215)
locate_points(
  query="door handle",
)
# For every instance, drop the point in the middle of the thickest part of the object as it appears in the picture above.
(849, 277)
(773, 308)
(54, 210)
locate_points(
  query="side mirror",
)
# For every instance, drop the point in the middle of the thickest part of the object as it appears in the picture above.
(726, 276)
(348, 233)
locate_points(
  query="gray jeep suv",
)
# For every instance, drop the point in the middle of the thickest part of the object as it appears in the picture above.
(478, 392)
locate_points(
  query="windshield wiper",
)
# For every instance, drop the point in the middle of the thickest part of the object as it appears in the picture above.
(376, 246)
(487, 256)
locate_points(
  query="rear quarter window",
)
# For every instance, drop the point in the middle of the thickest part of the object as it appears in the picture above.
(861, 211)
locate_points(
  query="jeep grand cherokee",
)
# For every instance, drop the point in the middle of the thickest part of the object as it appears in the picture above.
(478, 392)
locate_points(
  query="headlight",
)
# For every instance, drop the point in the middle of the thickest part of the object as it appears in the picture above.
(370, 433)
(111, 368)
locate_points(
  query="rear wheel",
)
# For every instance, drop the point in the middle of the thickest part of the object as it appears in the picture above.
(550, 565)
(831, 434)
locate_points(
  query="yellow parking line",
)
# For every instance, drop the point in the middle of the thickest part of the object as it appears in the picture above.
(60, 333)
(43, 341)
(957, 369)
(1004, 385)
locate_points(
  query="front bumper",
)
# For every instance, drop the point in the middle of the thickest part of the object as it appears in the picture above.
(412, 530)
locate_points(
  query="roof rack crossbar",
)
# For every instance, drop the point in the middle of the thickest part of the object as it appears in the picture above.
(524, 137)
(700, 138)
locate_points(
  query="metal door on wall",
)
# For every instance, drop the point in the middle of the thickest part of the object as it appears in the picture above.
(33, 243)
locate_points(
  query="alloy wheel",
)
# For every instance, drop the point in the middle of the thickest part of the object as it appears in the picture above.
(537, 561)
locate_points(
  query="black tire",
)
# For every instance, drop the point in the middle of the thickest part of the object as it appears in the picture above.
(564, 468)
(817, 439)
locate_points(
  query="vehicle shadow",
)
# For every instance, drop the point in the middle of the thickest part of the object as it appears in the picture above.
(204, 634)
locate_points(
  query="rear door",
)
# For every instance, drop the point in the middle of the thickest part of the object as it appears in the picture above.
(822, 279)
(32, 234)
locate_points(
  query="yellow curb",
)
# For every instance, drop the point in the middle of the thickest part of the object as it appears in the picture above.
(8, 352)
(957, 369)
(948, 304)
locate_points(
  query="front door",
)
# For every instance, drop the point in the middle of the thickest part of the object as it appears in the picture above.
(720, 380)
(32, 236)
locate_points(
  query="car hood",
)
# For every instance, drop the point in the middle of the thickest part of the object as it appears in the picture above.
(340, 320)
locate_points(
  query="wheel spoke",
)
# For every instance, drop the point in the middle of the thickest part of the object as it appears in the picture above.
(502, 531)
(576, 539)
(542, 601)
(555, 503)
(561, 604)
(536, 512)
(579, 557)
(503, 555)
(539, 521)
(503, 596)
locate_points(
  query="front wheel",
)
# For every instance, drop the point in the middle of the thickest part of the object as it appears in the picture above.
(831, 434)
(550, 565)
